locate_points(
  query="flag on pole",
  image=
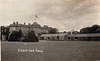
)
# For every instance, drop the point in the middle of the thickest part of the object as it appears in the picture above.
(36, 16)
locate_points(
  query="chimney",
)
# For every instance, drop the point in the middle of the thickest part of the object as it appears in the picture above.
(13, 22)
(16, 22)
(24, 23)
(29, 24)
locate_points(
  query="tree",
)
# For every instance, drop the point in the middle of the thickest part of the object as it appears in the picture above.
(5, 32)
(15, 36)
(31, 37)
(93, 29)
(53, 30)
(64, 32)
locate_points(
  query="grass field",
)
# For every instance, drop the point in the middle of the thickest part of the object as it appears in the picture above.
(52, 51)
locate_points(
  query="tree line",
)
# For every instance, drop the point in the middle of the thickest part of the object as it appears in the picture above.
(92, 29)
(19, 36)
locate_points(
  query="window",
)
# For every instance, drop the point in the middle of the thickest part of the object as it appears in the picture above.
(68, 37)
(48, 37)
(42, 38)
(57, 37)
(76, 37)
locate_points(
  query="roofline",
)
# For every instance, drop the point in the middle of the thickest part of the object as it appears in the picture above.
(85, 35)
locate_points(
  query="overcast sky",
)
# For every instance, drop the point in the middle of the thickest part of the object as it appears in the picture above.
(62, 14)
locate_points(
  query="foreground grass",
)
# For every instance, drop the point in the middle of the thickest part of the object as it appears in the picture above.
(52, 51)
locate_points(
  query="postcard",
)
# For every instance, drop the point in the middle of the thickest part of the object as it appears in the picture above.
(50, 30)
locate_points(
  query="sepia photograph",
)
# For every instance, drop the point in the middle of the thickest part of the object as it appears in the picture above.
(50, 30)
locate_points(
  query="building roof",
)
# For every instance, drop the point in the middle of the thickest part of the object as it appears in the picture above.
(19, 25)
(50, 35)
(36, 24)
(85, 35)
(45, 27)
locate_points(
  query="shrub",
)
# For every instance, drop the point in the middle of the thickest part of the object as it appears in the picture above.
(30, 37)
(15, 36)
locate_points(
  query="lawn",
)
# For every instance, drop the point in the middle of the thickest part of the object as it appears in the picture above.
(51, 51)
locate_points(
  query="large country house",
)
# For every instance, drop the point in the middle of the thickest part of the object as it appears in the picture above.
(15, 26)
(24, 28)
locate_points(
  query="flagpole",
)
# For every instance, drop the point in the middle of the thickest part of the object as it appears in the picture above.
(36, 17)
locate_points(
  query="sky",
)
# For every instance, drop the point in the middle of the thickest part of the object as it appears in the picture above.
(62, 14)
